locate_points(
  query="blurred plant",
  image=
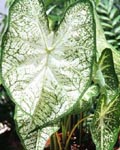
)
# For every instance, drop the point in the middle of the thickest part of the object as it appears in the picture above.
(55, 11)
(109, 14)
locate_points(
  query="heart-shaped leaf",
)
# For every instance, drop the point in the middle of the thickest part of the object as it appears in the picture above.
(106, 65)
(105, 124)
(46, 72)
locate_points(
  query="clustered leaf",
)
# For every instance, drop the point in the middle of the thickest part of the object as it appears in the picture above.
(110, 20)
(105, 123)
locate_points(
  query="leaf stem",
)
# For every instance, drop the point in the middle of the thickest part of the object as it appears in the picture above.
(71, 133)
(58, 140)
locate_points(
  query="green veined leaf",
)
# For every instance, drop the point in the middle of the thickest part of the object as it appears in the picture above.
(105, 123)
(116, 57)
(45, 72)
(106, 65)
(35, 140)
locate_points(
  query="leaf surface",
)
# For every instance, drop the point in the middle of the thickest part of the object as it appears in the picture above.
(105, 124)
(106, 66)
(35, 140)
(88, 99)
(46, 73)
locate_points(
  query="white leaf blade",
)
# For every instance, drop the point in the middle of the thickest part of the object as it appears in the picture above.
(47, 86)
(73, 60)
(35, 140)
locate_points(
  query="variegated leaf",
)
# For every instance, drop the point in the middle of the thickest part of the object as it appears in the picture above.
(35, 140)
(46, 73)
(106, 68)
(116, 58)
(88, 99)
(103, 44)
(105, 124)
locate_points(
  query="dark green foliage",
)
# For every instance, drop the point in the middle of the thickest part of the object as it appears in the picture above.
(109, 13)
(55, 10)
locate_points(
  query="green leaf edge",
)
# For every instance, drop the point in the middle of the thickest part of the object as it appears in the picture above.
(93, 59)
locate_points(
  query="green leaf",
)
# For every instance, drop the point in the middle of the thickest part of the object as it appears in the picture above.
(113, 13)
(105, 18)
(9, 3)
(105, 124)
(104, 24)
(103, 6)
(106, 65)
(117, 30)
(112, 41)
(116, 20)
(116, 57)
(109, 33)
(109, 5)
(97, 1)
(100, 37)
(46, 73)
(118, 38)
(102, 44)
(103, 11)
(110, 21)
(88, 99)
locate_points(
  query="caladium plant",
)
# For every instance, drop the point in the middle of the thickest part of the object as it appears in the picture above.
(106, 118)
(106, 121)
(48, 73)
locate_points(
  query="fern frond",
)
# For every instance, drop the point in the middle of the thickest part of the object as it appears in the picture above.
(110, 20)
